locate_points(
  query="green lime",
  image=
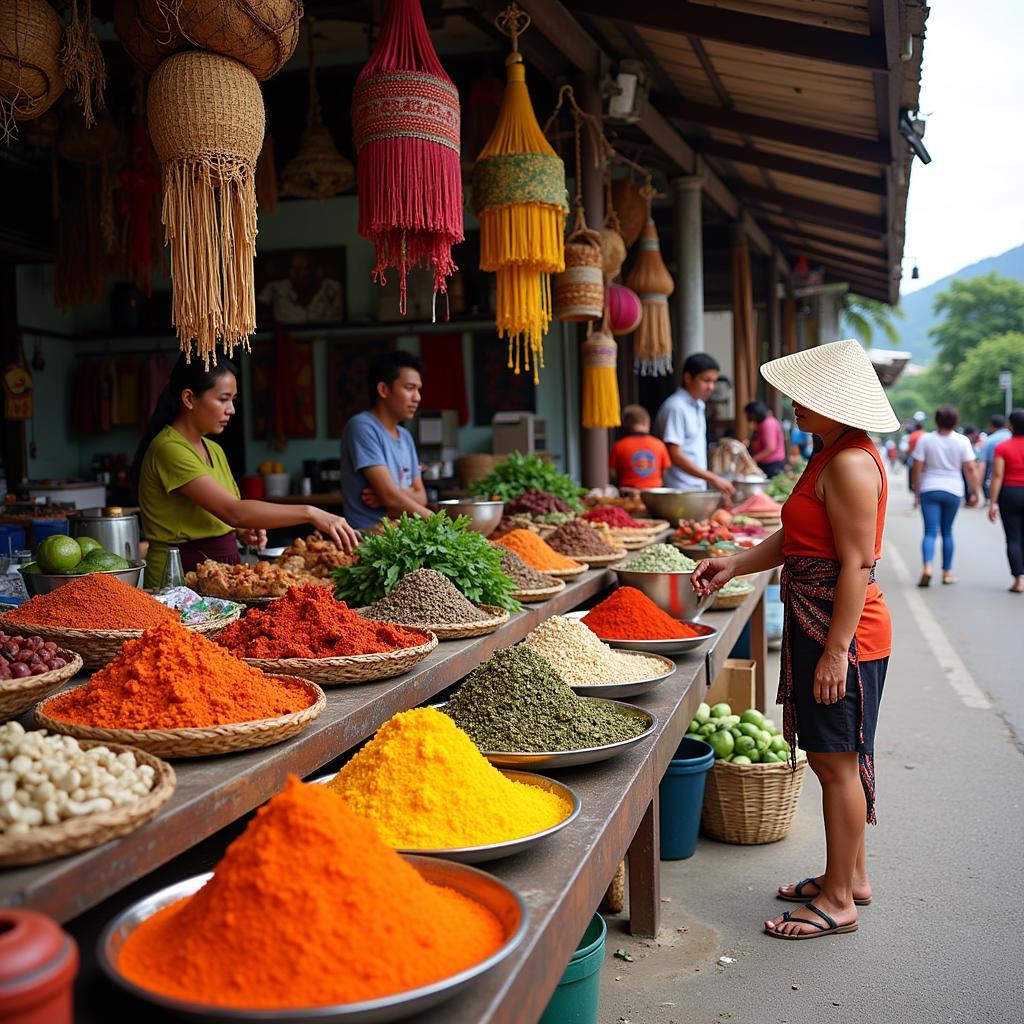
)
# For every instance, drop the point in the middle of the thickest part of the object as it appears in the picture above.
(87, 544)
(755, 756)
(708, 728)
(779, 745)
(721, 743)
(703, 713)
(732, 719)
(58, 554)
(763, 739)
(102, 561)
(721, 711)
(768, 757)
(748, 729)
(694, 726)
(735, 730)
(741, 759)
(745, 745)
(753, 716)
(31, 567)
(770, 726)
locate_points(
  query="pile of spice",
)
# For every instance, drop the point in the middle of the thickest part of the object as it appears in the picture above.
(307, 622)
(522, 575)
(660, 558)
(630, 615)
(615, 517)
(577, 655)
(356, 923)
(425, 597)
(171, 678)
(424, 784)
(578, 537)
(535, 552)
(516, 701)
(536, 503)
(96, 601)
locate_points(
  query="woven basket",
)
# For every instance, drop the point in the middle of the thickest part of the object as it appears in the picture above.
(203, 742)
(598, 561)
(531, 596)
(460, 630)
(565, 574)
(17, 695)
(631, 209)
(261, 34)
(359, 668)
(145, 45)
(724, 602)
(579, 289)
(76, 834)
(751, 803)
(31, 36)
(613, 253)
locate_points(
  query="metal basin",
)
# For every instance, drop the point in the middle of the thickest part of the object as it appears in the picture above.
(748, 486)
(484, 515)
(665, 503)
(44, 583)
(672, 592)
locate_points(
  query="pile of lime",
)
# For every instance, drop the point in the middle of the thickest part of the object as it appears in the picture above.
(60, 555)
(749, 738)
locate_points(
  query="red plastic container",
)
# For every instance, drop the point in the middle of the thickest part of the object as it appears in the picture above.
(38, 963)
(253, 488)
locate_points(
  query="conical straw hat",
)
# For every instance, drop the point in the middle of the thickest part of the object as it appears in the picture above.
(837, 381)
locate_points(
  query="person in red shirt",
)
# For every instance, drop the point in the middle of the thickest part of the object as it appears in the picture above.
(1008, 497)
(638, 459)
(768, 446)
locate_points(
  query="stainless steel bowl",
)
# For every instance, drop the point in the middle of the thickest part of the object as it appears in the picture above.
(665, 503)
(748, 486)
(44, 583)
(493, 894)
(484, 515)
(667, 648)
(672, 592)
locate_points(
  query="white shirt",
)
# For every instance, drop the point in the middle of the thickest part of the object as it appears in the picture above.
(943, 456)
(681, 420)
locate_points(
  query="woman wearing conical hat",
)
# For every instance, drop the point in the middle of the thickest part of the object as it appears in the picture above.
(837, 634)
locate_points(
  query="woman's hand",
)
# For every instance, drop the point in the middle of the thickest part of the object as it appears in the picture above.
(993, 511)
(253, 538)
(711, 575)
(336, 528)
(830, 676)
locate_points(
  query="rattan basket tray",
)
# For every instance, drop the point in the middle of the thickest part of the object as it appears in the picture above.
(358, 668)
(598, 561)
(460, 630)
(724, 602)
(751, 803)
(530, 596)
(565, 574)
(50, 841)
(201, 742)
(17, 695)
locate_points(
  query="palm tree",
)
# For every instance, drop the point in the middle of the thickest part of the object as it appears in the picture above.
(865, 316)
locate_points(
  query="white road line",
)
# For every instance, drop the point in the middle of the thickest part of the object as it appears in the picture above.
(956, 672)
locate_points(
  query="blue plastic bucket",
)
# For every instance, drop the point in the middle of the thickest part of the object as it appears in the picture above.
(681, 796)
(12, 538)
(43, 528)
(575, 1000)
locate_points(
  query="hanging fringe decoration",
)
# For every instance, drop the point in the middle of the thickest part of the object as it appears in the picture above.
(519, 198)
(406, 120)
(81, 58)
(600, 402)
(206, 119)
(651, 280)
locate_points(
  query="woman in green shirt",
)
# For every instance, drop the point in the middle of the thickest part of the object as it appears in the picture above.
(188, 498)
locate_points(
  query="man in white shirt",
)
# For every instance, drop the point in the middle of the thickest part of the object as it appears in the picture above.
(682, 424)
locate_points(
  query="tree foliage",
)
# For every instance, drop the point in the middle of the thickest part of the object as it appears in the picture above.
(975, 389)
(865, 316)
(974, 310)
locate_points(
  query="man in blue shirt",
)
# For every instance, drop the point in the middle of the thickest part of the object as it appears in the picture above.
(998, 433)
(380, 470)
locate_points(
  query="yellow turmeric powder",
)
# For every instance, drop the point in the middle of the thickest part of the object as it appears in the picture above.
(422, 781)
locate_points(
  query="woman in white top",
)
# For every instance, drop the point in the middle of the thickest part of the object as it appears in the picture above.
(942, 461)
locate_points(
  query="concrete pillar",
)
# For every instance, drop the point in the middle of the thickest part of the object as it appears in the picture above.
(774, 329)
(829, 305)
(688, 329)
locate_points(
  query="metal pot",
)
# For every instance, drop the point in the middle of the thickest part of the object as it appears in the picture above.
(117, 532)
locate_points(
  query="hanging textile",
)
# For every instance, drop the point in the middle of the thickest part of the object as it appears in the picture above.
(743, 345)
(651, 280)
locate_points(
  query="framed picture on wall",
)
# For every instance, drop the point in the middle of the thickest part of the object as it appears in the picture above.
(283, 389)
(495, 387)
(300, 286)
(348, 363)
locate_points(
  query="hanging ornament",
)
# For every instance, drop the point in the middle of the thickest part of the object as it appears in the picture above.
(30, 76)
(623, 309)
(147, 43)
(519, 198)
(206, 119)
(630, 209)
(406, 120)
(318, 170)
(651, 280)
(81, 58)
(600, 400)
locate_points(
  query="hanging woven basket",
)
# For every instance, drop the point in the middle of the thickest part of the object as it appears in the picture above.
(579, 289)
(31, 80)
(261, 34)
(146, 45)
(613, 253)
(599, 406)
(651, 280)
(623, 309)
(206, 119)
(630, 208)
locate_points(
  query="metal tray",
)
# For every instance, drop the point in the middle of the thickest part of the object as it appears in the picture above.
(495, 851)
(628, 689)
(666, 647)
(497, 897)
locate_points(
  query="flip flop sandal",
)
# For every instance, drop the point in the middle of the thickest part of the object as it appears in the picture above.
(947, 582)
(925, 580)
(829, 928)
(799, 896)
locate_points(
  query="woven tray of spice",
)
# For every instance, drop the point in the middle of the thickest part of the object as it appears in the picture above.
(47, 842)
(18, 695)
(566, 574)
(540, 594)
(732, 595)
(496, 618)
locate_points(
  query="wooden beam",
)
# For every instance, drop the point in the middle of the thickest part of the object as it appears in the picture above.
(806, 136)
(554, 21)
(825, 213)
(860, 266)
(875, 184)
(755, 31)
(801, 236)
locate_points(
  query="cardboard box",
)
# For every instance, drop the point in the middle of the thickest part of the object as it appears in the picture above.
(735, 685)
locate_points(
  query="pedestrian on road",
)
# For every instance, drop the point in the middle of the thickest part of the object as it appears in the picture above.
(944, 468)
(1007, 492)
(997, 434)
(837, 634)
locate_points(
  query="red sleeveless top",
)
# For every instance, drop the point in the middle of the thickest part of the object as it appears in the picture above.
(807, 531)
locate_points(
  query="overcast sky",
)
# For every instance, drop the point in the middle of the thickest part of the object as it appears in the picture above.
(968, 203)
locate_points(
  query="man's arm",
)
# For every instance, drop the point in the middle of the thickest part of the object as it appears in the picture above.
(688, 466)
(394, 498)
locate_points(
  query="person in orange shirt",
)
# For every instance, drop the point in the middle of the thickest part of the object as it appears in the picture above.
(638, 459)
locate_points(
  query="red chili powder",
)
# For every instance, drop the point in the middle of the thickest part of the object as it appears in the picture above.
(630, 615)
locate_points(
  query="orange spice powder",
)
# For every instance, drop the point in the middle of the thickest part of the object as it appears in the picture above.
(534, 551)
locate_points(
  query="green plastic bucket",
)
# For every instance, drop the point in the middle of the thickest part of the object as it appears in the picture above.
(575, 1000)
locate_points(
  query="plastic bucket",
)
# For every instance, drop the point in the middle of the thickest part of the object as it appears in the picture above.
(12, 538)
(681, 796)
(43, 528)
(575, 1000)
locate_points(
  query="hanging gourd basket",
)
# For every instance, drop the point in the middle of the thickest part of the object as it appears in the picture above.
(31, 80)
(145, 43)
(651, 280)
(579, 289)
(623, 309)
(613, 252)
(630, 208)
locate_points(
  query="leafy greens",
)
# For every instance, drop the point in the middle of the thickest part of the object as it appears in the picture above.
(520, 472)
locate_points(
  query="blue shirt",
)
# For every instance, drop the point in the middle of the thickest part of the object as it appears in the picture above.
(681, 420)
(988, 453)
(366, 443)
(802, 441)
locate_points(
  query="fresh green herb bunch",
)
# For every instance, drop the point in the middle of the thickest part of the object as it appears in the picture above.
(439, 543)
(520, 472)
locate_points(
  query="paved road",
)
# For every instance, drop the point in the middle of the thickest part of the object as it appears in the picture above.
(942, 939)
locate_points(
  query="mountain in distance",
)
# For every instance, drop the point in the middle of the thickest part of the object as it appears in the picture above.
(917, 306)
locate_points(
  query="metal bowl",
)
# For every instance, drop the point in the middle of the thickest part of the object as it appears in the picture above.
(484, 515)
(45, 583)
(748, 486)
(672, 592)
(666, 503)
(491, 893)
(669, 648)
(495, 851)
(628, 689)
